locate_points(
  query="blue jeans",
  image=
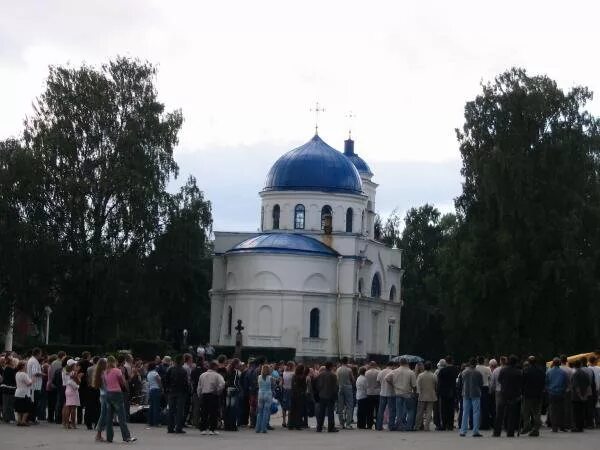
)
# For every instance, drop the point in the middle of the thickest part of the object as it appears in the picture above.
(231, 409)
(390, 403)
(263, 411)
(405, 413)
(101, 425)
(154, 410)
(115, 404)
(471, 404)
(345, 405)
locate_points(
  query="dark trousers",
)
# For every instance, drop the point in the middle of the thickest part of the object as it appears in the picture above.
(579, 415)
(485, 409)
(52, 399)
(92, 408)
(507, 410)
(35, 413)
(210, 412)
(447, 412)
(326, 407)
(531, 412)
(556, 408)
(372, 407)
(176, 403)
(361, 413)
(590, 411)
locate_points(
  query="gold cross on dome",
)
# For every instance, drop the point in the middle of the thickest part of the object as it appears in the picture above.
(317, 109)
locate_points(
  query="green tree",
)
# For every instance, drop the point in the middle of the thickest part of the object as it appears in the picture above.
(105, 146)
(423, 238)
(523, 273)
(180, 267)
(26, 253)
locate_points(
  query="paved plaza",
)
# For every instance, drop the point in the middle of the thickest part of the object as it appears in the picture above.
(46, 436)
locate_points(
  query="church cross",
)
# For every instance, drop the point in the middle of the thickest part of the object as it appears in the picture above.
(350, 116)
(239, 326)
(317, 109)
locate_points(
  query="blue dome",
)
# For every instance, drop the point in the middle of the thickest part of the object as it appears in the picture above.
(360, 164)
(283, 243)
(314, 166)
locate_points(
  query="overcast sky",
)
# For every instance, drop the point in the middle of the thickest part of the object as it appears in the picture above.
(245, 74)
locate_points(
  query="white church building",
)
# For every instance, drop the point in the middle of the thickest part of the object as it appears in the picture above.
(313, 278)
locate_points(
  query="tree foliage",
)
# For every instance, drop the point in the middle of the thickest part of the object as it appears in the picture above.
(517, 268)
(87, 183)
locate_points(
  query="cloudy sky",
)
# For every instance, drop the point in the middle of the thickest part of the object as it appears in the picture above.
(245, 74)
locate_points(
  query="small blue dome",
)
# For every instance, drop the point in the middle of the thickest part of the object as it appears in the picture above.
(283, 243)
(360, 164)
(314, 166)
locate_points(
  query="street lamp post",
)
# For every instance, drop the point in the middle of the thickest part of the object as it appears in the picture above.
(185, 336)
(48, 311)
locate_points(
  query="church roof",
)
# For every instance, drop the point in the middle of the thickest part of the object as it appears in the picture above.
(314, 166)
(290, 243)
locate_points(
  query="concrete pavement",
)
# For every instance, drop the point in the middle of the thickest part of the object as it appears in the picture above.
(49, 436)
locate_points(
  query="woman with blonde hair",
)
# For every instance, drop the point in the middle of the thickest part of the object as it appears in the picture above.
(98, 383)
(265, 398)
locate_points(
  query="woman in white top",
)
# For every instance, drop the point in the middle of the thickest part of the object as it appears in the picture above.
(361, 399)
(23, 396)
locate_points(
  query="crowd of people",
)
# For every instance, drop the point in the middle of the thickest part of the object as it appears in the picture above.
(226, 394)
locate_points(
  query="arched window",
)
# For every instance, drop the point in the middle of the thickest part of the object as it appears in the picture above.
(326, 221)
(229, 320)
(314, 322)
(276, 212)
(349, 217)
(376, 286)
(393, 293)
(358, 326)
(262, 218)
(360, 286)
(299, 217)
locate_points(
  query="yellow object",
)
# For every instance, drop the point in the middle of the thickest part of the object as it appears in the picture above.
(574, 358)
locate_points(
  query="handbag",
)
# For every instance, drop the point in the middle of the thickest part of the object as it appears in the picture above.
(274, 407)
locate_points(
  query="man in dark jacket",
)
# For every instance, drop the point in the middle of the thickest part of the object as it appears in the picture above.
(447, 393)
(327, 389)
(177, 388)
(580, 391)
(534, 379)
(511, 382)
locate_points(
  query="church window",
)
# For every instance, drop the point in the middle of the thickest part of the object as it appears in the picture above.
(393, 293)
(314, 322)
(358, 326)
(299, 217)
(390, 329)
(326, 219)
(229, 320)
(276, 212)
(376, 286)
(349, 217)
(360, 286)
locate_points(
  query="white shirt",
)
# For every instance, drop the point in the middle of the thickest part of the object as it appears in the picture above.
(23, 385)
(485, 372)
(361, 387)
(33, 368)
